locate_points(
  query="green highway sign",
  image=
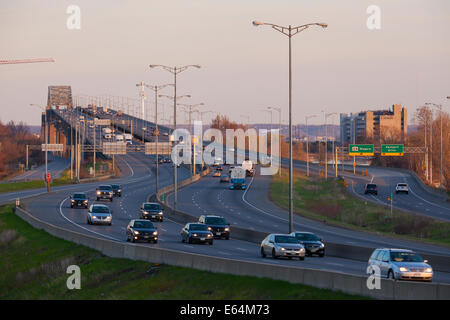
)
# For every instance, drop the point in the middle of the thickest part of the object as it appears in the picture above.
(392, 150)
(360, 150)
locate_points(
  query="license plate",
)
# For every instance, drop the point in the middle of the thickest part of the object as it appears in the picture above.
(153, 216)
(202, 239)
(146, 237)
(417, 275)
(217, 233)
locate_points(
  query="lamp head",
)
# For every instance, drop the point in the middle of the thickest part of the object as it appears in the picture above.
(257, 23)
(323, 25)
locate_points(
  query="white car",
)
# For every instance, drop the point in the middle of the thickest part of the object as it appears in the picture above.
(99, 214)
(401, 187)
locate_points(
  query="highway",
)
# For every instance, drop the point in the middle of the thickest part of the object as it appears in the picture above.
(249, 209)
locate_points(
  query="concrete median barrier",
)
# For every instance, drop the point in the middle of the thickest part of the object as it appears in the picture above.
(351, 284)
(352, 252)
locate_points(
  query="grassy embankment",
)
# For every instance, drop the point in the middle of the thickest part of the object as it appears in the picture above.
(16, 186)
(330, 202)
(33, 266)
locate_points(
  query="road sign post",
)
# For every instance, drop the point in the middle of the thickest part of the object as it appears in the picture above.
(392, 150)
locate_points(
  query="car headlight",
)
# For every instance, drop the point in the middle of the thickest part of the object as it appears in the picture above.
(302, 249)
(160, 212)
(209, 235)
(136, 232)
(98, 192)
(403, 269)
(194, 234)
(108, 218)
(85, 201)
(428, 270)
(155, 233)
(209, 228)
(120, 190)
(94, 217)
(282, 249)
(227, 229)
(322, 245)
(72, 200)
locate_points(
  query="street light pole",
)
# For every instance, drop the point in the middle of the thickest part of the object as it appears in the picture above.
(326, 115)
(155, 90)
(290, 32)
(46, 142)
(307, 143)
(175, 71)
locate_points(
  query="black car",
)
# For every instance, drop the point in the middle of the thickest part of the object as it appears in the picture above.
(312, 243)
(196, 232)
(371, 188)
(117, 190)
(152, 211)
(104, 192)
(167, 160)
(79, 199)
(160, 159)
(217, 225)
(141, 230)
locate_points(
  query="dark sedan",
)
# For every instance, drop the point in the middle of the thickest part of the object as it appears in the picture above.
(141, 230)
(312, 243)
(217, 225)
(196, 232)
(152, 210)
(117, 190)
(371, 188)
(79, 199)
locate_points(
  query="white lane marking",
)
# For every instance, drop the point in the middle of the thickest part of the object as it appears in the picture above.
(242, 249)
(185, 245)
(225, 253)
(100, 234)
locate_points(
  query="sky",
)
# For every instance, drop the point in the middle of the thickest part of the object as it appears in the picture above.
(346, 67)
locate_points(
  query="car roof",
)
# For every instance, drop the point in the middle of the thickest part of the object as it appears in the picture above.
(280, 234)
(104, 185)
(151, 203)
(395, 249)
(212, 216)
(304, 232)
(80, 192)
(99, 205)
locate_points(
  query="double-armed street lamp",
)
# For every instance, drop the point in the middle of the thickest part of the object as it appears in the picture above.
(175, 71)
(290, 31)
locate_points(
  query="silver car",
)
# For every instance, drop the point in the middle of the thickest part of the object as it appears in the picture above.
(401, 264)
(282, 245)
(99, 214)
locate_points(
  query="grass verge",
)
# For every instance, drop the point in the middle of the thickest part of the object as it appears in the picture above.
(330, 202)
(33, 266)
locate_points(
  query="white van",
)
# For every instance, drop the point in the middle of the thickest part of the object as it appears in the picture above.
(128, 138)
(119, 138)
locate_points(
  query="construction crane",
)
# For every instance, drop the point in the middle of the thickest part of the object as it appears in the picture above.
(27, 61)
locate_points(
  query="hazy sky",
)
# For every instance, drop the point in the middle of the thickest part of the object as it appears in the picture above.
(344, 68)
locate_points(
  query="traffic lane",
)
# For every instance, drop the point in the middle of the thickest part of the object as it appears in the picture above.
(127, 173)
(410, 202)
(259, 213)
(420, 201)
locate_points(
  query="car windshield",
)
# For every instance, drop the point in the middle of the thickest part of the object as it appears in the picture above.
(402, 184)
(306, 237)
(215, 220)
(371, 186)
(143, 224)
(152, 206)
(198, 227)
(100, 209)
(107, 188)
(285, 239)
(80, 196)
(399, 256)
